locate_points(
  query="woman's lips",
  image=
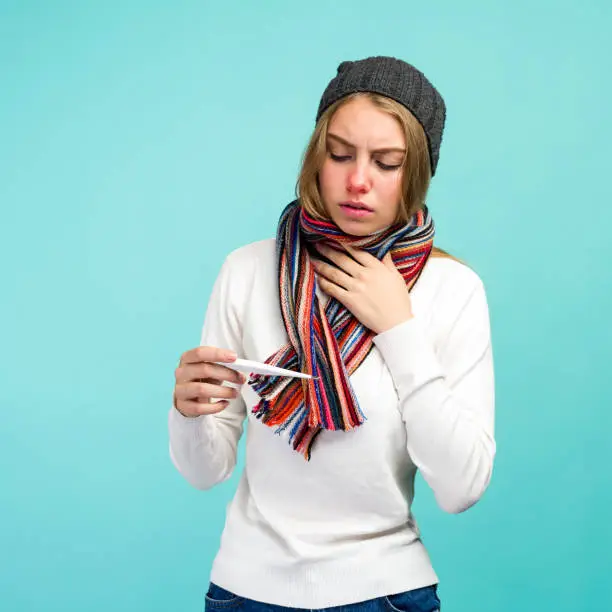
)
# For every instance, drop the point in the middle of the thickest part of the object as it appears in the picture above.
(355, 210)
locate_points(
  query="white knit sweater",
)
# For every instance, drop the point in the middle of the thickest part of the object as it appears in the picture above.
(339, 528)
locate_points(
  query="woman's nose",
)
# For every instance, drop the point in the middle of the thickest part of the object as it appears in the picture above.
(358, 181)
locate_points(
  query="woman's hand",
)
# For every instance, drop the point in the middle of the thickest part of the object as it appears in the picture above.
(373, 290)
(198, 379)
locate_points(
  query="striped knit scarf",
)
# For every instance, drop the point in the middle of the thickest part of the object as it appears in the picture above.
(328, 343)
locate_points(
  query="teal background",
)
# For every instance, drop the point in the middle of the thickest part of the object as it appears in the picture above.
(140, 142)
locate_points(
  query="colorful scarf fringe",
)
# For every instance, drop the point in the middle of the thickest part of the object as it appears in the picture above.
(328, 343)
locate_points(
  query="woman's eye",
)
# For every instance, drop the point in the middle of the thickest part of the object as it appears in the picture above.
(339, 158)
(384, 166)
(380, 164)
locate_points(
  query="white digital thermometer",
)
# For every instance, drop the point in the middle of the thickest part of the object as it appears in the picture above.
(256, 367)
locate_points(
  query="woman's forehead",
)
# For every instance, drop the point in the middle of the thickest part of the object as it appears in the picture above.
(359, 120)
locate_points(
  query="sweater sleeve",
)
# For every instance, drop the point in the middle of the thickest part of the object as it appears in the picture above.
(446, 400)
(204, 449)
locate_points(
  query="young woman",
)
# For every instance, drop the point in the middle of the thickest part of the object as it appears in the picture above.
(396, 336)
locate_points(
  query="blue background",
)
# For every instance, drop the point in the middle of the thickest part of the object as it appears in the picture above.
(140, 142)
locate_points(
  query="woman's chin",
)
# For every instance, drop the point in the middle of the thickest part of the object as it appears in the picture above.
(355, 227)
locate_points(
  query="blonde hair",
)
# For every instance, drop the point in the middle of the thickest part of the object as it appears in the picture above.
(416, 167)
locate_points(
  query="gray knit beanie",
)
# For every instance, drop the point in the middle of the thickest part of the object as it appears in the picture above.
(394, 79)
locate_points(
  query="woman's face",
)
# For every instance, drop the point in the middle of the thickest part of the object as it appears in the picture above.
(360, 181)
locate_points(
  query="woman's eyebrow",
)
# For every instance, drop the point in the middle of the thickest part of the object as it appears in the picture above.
(349, 144)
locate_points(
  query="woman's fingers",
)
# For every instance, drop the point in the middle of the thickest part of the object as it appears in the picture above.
(204, 391)
(362, 257)
(199, 378)
(213, 371)
(341, 259)
(194, 409)
(193, 399)
(335, 291)
(335, 275)
(208, 353)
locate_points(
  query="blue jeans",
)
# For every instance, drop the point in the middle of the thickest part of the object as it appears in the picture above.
(418, 600)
